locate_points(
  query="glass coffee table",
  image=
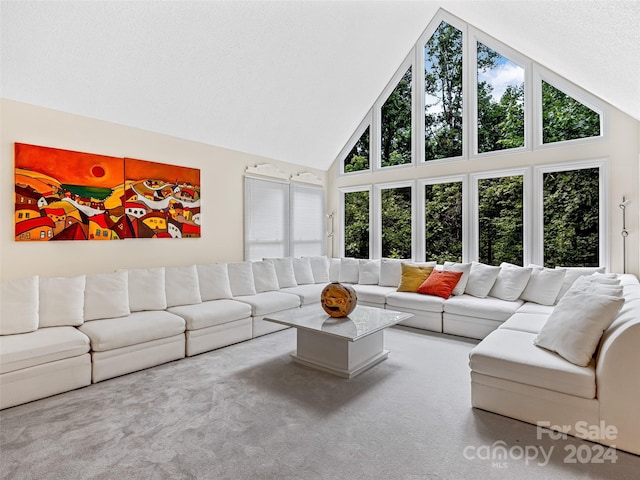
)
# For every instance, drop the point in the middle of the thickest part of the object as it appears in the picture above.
(341, 346)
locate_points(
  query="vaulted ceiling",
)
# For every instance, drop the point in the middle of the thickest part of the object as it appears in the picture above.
(289, 80)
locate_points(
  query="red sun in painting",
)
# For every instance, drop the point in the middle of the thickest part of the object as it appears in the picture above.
(97, 171)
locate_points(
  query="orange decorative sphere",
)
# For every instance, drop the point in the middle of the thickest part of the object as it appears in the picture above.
(338, 300)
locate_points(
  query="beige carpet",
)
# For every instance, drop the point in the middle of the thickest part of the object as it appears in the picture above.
(247, 412)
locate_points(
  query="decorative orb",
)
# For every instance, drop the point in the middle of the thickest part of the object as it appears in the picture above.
(338, 300)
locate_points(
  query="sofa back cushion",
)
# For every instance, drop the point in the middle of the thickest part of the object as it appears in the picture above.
(320, 269)
(390, 272)
(465, 268)
(181, 286)
(264, 276)
(349, 270)
(481, 279)
(284, 271)
(413, 275)
(303, 271)
(241, 279)
(510, 282)
(571, 274)
(368, 272)
(440, 283)
(214, 281)
(147, 289)
(106, 295)
(334, 269)
(544, 285)
(62, 301)
(19, 306)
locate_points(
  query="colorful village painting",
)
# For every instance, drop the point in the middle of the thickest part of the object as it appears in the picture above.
(66, 195)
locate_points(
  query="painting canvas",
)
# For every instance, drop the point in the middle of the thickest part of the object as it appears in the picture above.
(160, 200)
(67, 195)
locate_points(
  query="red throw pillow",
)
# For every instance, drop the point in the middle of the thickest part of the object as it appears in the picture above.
(440, 283)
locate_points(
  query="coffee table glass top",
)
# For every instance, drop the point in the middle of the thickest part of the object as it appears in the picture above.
(361, 322)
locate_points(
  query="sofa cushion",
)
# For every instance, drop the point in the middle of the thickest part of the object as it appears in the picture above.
(511, 355)
(334, 270)
(320, 269)
(369, 272)
(106, 295)
(481, 279)
(181, 285)
(19, 305)
(269, 302)
(413, 275)
(303, 271)
(510, 282)
(440, 283)
(213, 280)
(241, 278)
(591, 284)
(571, 274)
(544, 285)
(576, 325)
(349, 270)
(465, 268)
(284, 271)
(136, 328)
(308, 293)
(39, 347)
(373, 293)
(490, 308)
(530, 307)
(390, 272)
(210, 313)
(264, 276)
(61, 301)
(147, 289)
(525, 322)
(416, 301)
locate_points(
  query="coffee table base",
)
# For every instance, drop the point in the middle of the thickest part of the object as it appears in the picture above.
(339, 356)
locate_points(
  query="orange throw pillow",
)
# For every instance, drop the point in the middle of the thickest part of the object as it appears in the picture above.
(413, 276)
(440, 283)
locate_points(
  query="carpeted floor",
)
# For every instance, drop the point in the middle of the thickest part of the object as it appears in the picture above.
(248, 412)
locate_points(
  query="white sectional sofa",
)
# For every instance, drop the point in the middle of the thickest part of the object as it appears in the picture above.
(61, 334)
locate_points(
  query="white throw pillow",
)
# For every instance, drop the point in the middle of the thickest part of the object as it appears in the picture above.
(181, 286)
(284, 271)
(544, 285)
(19, 306)
(390, 272)
(214, 281)
(147, 289)
(349, 270)
(465, 268)
(574, 328)
(369, 272)
(241, 279)
(320, 269)
(106, 295)
(602, 286)
(481, 279)
(511, 282)
(334, 269)
(264, 276)
(302, 270)
(572, 273)
(62, 301)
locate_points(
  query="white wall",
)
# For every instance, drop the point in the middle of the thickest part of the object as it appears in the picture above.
(621, 147)
(222, 186)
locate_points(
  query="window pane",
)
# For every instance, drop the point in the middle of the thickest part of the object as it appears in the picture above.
(307, 221)
(396, 222)
(396, 124)
(500, 102)
(443, 93)
(358, 158)
(500, 219)
(564, 118)
(356, 224)
(443, 214)
(571, 218)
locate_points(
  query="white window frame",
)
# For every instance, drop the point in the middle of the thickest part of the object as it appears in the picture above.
(603, 203)
(522, 61)
(341, 216)
(420, 86)
(590, 101)
(375, 146)
(367, 122)
(376, 227)
(474, 230)
(421, 222)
